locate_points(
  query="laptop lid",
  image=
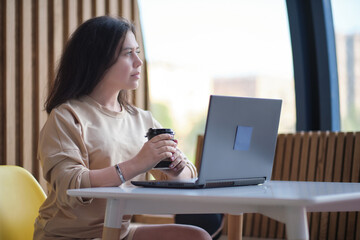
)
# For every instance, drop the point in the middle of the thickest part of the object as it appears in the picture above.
(240, 139)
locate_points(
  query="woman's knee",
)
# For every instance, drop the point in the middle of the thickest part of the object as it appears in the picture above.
(197, 233)
(171, 232)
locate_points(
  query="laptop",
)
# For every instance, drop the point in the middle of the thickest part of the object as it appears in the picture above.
(239, 144)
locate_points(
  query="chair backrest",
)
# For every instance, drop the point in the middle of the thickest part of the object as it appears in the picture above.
(20, 198)
(313, 156)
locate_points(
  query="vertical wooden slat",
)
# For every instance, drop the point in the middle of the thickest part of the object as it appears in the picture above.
(310, 174)
(10, 88)
(355, 177)
(99, 7)
(65, 17)
(321, 157)
(264, 226)
(289, 143)
(285, 175)
(329, 166)
(303, 165)
(346, 177)
(42, 77)
(2, 81)
(333, 219)
(86, 10)
(113, 8)
(58, 32)
(256, 225)
(276, 175)
(72, 17)
(314, 141)
(141, 93)
(295, 158)
(26, 86)
(126, 9)
(319, 174)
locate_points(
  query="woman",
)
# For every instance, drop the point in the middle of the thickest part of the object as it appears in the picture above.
(94, 137)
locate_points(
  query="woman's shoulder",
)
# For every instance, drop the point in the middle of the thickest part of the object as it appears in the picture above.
(141, 113)
(69, 111)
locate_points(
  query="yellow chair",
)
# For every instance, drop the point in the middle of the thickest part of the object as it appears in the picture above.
(20, 199)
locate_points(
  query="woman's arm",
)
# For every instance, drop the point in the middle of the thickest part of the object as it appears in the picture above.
(153, 151)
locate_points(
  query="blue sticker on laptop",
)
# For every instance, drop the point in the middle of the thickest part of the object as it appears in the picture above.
(242, 138)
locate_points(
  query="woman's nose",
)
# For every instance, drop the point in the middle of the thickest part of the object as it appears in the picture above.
(138, 62)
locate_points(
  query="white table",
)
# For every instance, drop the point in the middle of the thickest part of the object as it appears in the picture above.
(284, 201)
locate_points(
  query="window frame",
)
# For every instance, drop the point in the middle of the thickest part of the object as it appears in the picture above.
(315, 65)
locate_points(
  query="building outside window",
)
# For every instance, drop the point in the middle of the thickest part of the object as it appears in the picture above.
(195, 48)
(347, 37)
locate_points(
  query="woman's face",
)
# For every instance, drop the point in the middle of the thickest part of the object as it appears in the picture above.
(125, 73)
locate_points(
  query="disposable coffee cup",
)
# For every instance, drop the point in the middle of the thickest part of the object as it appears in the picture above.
(152, 132)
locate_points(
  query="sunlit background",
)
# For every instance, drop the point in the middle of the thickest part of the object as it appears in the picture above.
(195, 48)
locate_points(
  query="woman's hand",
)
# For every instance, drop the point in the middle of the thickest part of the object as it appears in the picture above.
(156, 149)
(178, 164)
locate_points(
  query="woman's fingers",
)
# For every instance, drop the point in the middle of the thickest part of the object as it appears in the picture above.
(178, 161)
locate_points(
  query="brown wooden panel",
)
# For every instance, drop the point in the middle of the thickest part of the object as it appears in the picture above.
(10, 89)
(321, 156)
(41, 76)
(323, 225)
(2, 82)
(113, 8)
(99, 7)
(345, 177)
(333, 219)
(279, 157)
(199, 149)
(26, 113)
(247, 227)
(125, 10)
(314, 141)
(303, 165)
(314, 224)
(330, 157)
(354, 226)
(329, 166)
(264, 226)
(344, 217)
(58, 32)
(289, 143)
(86, 10)
(285, 174)
(256, 225)
(276, 175)
(295, 158)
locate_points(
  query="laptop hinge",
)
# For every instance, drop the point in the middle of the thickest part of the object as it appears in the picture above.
(240, 182)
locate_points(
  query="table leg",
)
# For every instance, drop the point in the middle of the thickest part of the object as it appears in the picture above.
(111, 233)
(296, 224)
(295, 220)
(235, 227)
(113, 219)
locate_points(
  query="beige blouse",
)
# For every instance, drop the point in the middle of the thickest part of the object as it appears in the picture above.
(80, 135)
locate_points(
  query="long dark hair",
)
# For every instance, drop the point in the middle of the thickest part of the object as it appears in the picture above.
(92, 49)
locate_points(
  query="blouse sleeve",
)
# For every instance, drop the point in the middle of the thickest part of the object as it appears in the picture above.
(63, 156)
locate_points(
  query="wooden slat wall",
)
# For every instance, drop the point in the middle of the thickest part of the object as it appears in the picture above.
(314, 156)
(32, 35)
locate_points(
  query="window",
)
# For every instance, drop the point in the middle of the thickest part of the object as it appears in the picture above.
(347, 37)
(195, 48)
